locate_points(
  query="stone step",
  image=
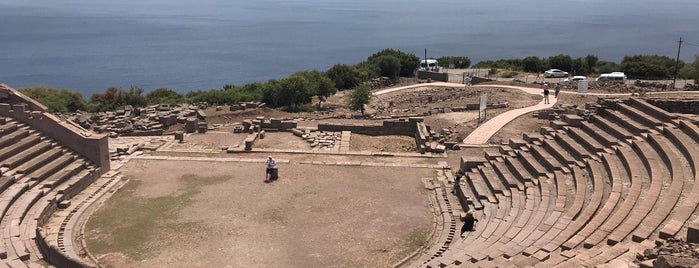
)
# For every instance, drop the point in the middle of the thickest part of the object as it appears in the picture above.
(26, 154)
(611, 128)
(493, 180)
(504, 172)
(586, 140)
(628, 123)
(631, 164)
(672, 194)
(39, 161)
(648, 108)
(49, 168)
(686, 209)
(651, 161)
(604, 138)
(518, 169)
(14, 137)
(480, 187)
(639, 116)
(532, 164)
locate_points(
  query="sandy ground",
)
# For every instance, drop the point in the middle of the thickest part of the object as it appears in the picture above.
(313, 216)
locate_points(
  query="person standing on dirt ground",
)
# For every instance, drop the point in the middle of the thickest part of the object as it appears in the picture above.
(457, 181)
(546, 93)
(556, 90)
(271, 165)
(469, 223)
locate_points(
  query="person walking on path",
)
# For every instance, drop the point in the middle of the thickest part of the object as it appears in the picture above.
(469, 223)
(557, 90)
(457, 181)
(271, 168)
(546, 93)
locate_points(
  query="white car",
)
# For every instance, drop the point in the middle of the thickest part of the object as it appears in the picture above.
(576, 78)
(555, 73)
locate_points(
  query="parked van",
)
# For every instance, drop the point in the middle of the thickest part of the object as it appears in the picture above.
(616, 76)
(429, 65)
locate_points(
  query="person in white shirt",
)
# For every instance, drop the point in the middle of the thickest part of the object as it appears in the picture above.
(271, 165)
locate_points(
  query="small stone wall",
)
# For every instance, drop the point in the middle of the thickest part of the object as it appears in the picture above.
(392, 127)
(689, 106)
(443, 77)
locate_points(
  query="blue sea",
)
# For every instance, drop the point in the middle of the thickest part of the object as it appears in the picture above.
(185, 45)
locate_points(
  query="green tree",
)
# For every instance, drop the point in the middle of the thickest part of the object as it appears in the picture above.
(590, 63)
(607, 67)
(56, 100)
(458, 62)
(408, 62)
(163, 95)
(319, 85)
(359, 97)
(561, 61)
(344, 77)
(649, 66)
(294, 91)
(532, 64)
(389, 66)
(691, 71)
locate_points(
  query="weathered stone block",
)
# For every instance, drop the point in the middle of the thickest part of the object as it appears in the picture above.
(191, 125)
(202, 127)
(693, 233)
(179, 136)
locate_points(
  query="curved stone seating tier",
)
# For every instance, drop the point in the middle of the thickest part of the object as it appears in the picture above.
(690, 148)
(535, 227)
(18, 146)
(24, 156)
(495, 183)
(49, 168)
(639, 116)
(491, 231)
(7, 126)
(479, 186)
(548, 161)
(15, 246)
(517, 169)
(504, 172)
(671, 195)
(14, 137)
(629, 123)
(63, 175)
(555, 223)
(577, 193)
(631, 163)
(39, 161)
(5, 181)
(611, 128)
(535, 168)
(558, 152)
(601, 178)
(588, 210)
(651, 162)
(652, 110)
(593, 257)
(590, 143)
(575, 148)
(600, 135)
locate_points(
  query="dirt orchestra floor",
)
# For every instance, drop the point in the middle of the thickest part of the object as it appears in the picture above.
(221, 214)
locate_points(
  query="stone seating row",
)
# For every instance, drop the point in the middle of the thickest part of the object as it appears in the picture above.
(614, 156)
(34, 170)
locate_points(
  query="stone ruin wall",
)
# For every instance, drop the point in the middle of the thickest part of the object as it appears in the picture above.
(688, 106)
(94, 147)
(414, 127)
